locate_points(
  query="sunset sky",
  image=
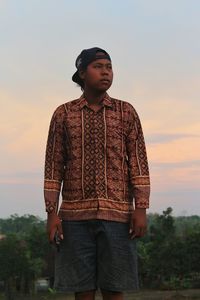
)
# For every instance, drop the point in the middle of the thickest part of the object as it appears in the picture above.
(155, 50)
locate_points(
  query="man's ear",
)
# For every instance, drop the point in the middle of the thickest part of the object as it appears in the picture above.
(82, 74)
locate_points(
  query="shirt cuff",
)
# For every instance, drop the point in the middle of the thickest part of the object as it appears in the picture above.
(141, 195)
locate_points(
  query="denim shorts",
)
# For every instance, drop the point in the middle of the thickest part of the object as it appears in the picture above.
(96, 254)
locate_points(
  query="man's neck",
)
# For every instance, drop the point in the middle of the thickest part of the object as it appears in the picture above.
(94, 98)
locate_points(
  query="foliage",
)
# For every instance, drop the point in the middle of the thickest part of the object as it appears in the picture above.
(168, 255)
(23, 249)
(20, 225)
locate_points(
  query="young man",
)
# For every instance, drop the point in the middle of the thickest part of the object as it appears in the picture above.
(96, 151)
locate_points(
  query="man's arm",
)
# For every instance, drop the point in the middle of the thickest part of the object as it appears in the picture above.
(54, 171)
(139, 175)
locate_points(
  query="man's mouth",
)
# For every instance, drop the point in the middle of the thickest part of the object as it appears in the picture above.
(105, 80)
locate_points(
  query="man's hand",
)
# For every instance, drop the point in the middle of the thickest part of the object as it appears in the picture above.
(54, 227)
(138, 223)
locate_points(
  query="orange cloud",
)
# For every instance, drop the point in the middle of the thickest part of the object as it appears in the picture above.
(180, 150)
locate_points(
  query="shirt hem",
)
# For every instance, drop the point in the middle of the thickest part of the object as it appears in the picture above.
(99, 214)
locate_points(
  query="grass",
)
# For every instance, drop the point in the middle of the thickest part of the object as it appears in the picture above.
(141, 295)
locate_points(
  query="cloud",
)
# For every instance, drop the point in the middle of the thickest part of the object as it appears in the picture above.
(168, 107)
(12, 178)
(167, 177)
(24, 129)
(165, 138)
(179, 150)
(22, 199)
(184, 201)
(177, 164)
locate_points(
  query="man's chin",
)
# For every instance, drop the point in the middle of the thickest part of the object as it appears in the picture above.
(104, 88)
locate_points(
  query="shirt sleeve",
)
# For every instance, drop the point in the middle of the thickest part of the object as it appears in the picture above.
(55, 160)
(137, 162)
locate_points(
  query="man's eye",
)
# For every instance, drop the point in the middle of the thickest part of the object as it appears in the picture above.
(109, 67)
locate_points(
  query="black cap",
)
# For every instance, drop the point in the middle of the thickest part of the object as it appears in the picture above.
(86, 57)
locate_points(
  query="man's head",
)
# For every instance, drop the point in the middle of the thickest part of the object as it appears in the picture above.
(94, 69)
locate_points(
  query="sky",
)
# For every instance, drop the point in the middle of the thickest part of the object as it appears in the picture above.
(155, 51)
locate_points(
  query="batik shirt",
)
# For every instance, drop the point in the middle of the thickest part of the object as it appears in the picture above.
(97, 159)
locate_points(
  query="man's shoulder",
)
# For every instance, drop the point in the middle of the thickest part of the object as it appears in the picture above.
(67, 106)
(123, 105)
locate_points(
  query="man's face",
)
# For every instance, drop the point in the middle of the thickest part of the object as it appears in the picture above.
(98, 75)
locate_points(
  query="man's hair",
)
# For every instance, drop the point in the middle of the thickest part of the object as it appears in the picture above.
(80, 82)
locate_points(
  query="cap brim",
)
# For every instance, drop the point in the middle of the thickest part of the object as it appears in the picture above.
(76, 77)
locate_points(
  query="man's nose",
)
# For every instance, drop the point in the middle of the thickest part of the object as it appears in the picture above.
(105, 71)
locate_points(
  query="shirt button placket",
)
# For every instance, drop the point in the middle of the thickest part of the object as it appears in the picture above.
(96, 151)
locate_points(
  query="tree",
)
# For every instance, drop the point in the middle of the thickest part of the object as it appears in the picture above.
(22, 252)
(157, 264)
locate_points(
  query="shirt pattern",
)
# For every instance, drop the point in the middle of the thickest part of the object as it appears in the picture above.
(99, 160)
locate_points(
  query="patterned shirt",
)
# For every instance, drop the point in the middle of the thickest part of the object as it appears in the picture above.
(98, 159)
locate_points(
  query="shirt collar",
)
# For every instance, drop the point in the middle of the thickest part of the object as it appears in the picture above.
(106, 101)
